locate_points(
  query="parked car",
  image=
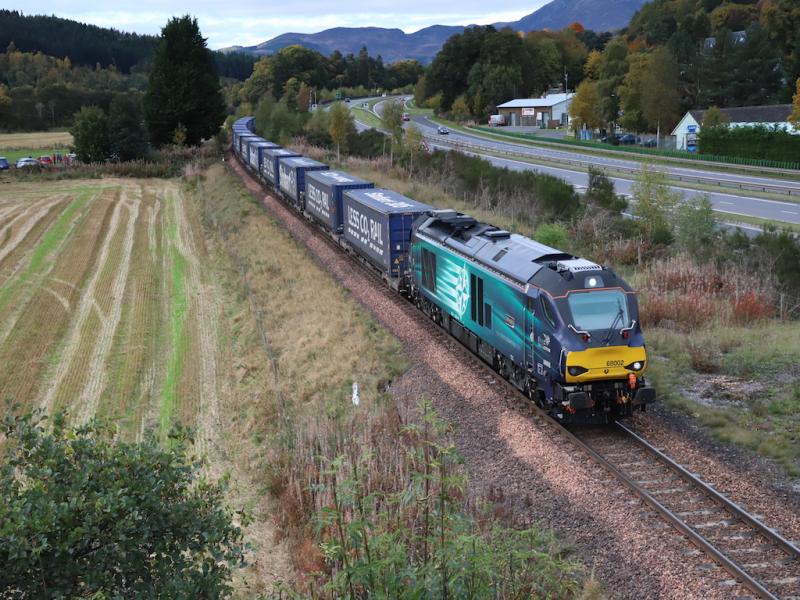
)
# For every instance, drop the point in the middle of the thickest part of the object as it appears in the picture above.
(3, 163)
(46, 160)
(610, 139)
(497, 120)
(347, 100)
(629, 139)
(406, 117)
(651, 143)
(27, 161)
(442, 130)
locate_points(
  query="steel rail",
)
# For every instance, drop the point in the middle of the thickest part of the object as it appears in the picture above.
(726, 503)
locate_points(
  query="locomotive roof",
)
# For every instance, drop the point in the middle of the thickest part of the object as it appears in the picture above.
(513, 255)
(519, 258)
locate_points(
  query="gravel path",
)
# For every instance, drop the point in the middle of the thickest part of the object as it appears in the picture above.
(531, 472)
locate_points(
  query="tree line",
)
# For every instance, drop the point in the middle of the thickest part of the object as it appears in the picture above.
(482, 67)
(298, 72)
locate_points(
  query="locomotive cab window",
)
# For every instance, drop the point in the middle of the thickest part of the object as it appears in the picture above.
(603, 309)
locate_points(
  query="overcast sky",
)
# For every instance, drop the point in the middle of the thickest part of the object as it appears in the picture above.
(248, 22)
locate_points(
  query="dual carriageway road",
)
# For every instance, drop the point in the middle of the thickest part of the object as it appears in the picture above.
(572, 166)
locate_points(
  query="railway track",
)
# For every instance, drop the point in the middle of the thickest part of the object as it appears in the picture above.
(757, 557)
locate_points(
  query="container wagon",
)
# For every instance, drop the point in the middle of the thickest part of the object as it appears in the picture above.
(377, 226)
(324, 196)
(292, 177)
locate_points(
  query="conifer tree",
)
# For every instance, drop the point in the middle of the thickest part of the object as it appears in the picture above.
(184, 86)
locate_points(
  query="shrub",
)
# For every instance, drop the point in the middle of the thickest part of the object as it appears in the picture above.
(87, 515)
(552, 234)
(752, 306)
(688, 294)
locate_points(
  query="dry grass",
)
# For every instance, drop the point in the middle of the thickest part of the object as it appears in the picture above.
(35, 140)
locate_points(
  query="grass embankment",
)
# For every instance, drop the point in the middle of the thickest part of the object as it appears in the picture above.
(740, 382)
(369, 495)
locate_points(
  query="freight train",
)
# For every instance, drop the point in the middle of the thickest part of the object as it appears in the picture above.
(563, 330)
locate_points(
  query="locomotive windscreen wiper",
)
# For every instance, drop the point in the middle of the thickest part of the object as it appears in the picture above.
(620, 315)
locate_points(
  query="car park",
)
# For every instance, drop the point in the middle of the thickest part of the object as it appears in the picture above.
(3, 163)
(26, 162)
(442, 130)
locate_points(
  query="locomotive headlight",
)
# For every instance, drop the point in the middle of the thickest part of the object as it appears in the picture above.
(575, 371)
(593, 282)
(635, 366)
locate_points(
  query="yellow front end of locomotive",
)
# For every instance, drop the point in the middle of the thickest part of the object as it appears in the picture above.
(611, 362)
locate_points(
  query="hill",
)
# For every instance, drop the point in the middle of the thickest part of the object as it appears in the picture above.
(604, 15)
(84, 44)
(422, 45)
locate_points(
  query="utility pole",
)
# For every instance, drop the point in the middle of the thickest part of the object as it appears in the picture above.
(566, 80)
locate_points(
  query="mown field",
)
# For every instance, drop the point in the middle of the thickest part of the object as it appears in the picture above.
(104, 304)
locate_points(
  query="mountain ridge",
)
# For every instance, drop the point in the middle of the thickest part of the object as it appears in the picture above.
(394, 44)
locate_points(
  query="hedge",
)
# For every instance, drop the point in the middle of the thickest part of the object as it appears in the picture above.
(760, 143)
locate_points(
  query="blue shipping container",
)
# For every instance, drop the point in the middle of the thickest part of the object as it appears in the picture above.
(269, 164)
(244, 140)
(324, 191)
(377, 224)
(291, 179)
(257, 153)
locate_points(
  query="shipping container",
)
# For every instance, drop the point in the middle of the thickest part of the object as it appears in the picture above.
(324, 192)
(256, 155)
(377, 224)
(250, 147)
(292, 174)
(269, 163)
(243, 141)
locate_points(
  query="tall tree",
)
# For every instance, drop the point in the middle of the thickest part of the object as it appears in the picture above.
(585, 107)
(661, 100)
(341, 127)
(184, 86)
(392, 117)
(128, 138)
(611, 75)
(631, 92)
(90, 135)
(795, 116)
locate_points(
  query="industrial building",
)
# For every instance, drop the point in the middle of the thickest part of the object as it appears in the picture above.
(549, 111)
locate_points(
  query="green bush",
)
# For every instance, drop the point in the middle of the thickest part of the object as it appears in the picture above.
(552, 234)
(87, 515)
(750, 142)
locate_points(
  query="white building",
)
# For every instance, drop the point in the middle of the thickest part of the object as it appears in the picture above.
(776, 116)
(548, 111)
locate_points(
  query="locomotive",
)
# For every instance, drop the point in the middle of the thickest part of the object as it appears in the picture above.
(563, 330)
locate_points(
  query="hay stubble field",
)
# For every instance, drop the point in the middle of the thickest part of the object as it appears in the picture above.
(105, 304)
